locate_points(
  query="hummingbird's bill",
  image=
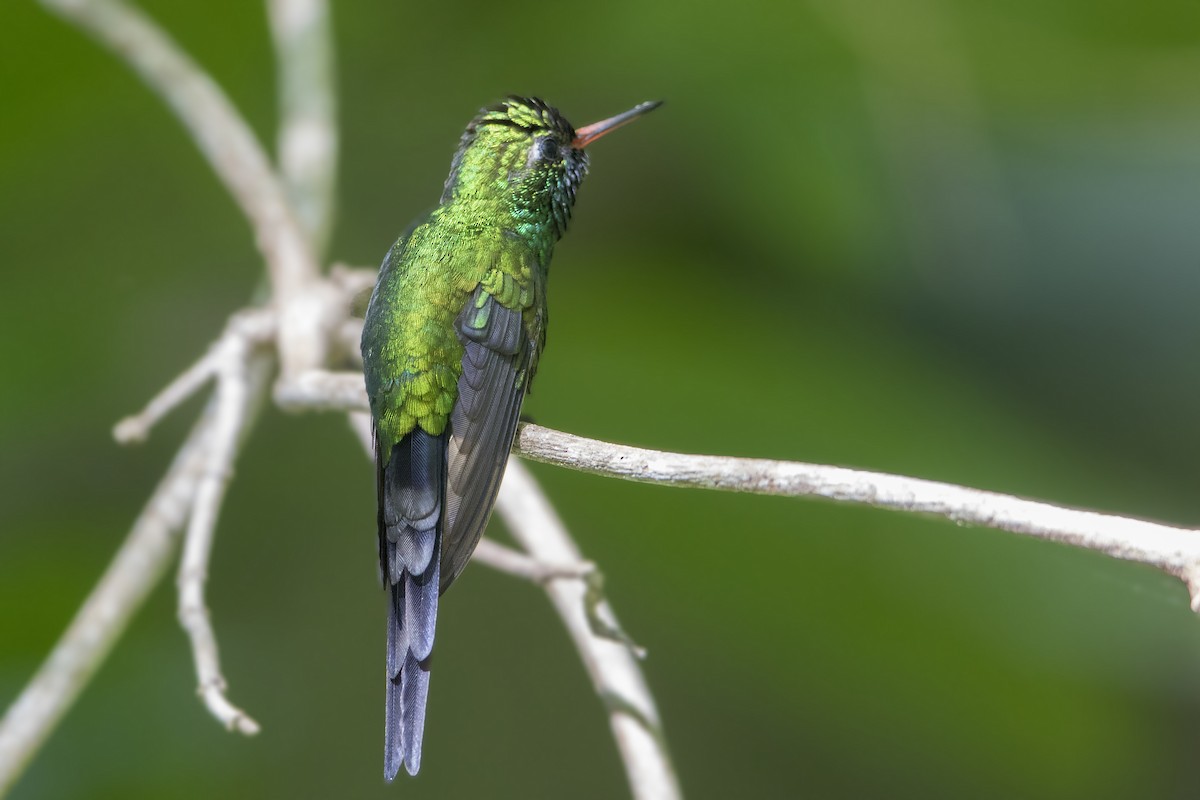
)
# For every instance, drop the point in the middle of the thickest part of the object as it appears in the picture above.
(590, 133)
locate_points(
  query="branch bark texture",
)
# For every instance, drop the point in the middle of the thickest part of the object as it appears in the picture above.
(1173, 550)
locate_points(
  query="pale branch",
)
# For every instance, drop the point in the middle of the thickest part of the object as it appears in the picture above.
(152, 543)
(104, 615)
(235, 156)
(235, 407)
(308, 136)
(192, 489)
(518, 564)
(321, 390)
(135, 428)
(308, 154)
(233, 362)
(252, 327)
(513, 562)
(610, 663)
(1173, 550)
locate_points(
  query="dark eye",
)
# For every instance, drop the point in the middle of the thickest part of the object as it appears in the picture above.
(548, 148)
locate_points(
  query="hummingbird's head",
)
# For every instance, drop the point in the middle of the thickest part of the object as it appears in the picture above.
(524, 154)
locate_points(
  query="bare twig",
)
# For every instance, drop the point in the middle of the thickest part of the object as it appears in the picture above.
(136, 427)
(360, 425)
(612, 667)
(523, 566)
(238, 368)
(235, 406)
(194, 484)
(308, 138)
(253, 327)
(133, 573)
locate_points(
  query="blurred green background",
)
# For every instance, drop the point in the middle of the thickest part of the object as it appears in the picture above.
(950, 239)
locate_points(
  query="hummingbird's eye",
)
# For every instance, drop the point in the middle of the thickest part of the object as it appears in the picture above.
(548, 149)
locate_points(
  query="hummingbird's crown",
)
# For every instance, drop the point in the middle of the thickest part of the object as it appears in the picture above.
(528, 113)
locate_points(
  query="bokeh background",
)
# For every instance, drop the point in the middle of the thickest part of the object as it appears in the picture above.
(951, 239)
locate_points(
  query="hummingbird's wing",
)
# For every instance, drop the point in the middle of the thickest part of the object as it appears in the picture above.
(435, 493)
(496, 357)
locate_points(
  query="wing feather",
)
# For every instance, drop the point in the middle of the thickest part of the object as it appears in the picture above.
(496, 353)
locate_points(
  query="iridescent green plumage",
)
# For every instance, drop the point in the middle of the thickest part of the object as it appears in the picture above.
(450, 343)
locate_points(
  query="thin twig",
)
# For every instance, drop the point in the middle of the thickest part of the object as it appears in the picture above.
(521, 565)
(234, 408)
(136, 427)
(103, 617)
(151, 544)
(253, 326)
(308, 138)
(611, 665)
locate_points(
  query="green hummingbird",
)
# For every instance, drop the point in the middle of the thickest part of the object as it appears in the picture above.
(450, 344)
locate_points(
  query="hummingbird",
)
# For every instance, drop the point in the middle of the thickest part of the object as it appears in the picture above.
(450, 343)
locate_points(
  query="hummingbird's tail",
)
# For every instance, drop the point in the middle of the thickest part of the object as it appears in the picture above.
(412, 490)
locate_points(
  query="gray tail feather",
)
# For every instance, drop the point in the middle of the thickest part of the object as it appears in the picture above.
(413, 493)
(407, 691)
